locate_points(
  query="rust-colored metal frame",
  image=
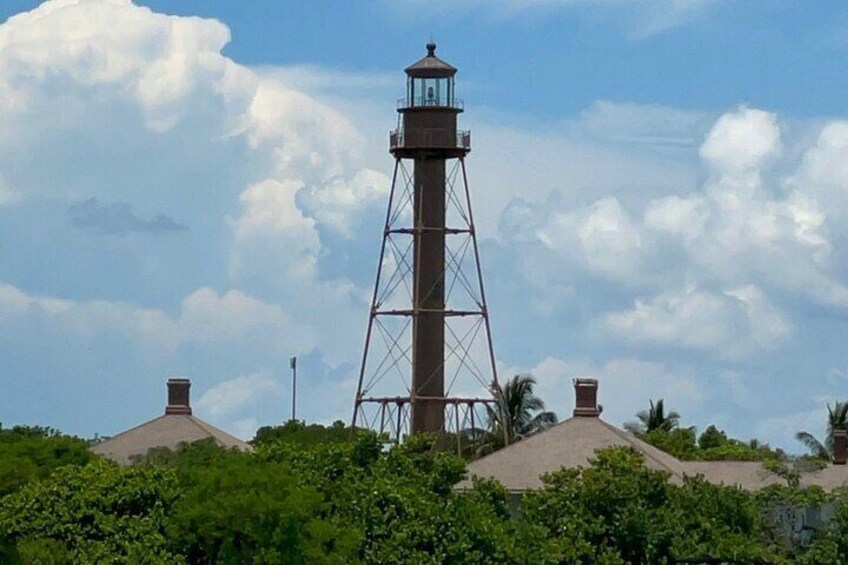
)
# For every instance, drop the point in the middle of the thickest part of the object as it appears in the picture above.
(391, 414)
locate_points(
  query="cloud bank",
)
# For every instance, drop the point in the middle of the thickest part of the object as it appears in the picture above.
(685, 254)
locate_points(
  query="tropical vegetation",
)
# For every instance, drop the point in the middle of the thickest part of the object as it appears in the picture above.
(517, 413)
(307, 496)
(327, 495)
(662, 429)
(837, 419)
(654, 418)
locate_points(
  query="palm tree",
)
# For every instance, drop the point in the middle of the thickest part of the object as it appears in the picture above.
(837, 419)
(652, 419)
(516, 414)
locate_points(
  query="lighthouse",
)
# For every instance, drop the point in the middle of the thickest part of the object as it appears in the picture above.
(428, 364)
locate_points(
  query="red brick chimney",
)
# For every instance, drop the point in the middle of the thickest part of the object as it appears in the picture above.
(178, 399)
(840, 446)
(586, 398)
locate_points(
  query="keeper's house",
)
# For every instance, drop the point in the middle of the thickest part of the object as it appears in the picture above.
(572, 443)
(176, 426)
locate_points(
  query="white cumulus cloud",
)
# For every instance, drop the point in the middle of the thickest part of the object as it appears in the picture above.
(728, 323)
(232, 397)
(702, 267)
(742, 142)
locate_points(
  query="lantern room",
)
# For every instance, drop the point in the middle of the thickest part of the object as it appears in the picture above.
(430, 83)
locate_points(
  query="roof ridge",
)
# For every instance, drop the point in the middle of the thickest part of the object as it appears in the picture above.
(522, 440)
(132, 429)
(632, 439)
(213, 431)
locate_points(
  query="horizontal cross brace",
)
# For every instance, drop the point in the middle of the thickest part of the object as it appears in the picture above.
(407, 400)
(448, 231)
(447, 313)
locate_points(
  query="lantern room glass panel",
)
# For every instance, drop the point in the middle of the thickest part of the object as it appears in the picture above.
(430, 91)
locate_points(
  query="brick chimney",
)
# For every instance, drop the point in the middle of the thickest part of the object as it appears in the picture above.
(178, 399)
(840, 446)
(586, 398)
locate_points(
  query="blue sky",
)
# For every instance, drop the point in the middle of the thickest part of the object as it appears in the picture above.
(660, 188)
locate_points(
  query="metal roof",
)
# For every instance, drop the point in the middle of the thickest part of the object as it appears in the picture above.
(430, 66)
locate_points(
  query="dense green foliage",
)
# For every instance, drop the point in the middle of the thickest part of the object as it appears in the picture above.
(300, 433)
(94, 514)
(305, 495)
(403, 505)
(662, 430)
(333, 502)
(29, 453)
(618, 511)
(711, 445)
(830, 545)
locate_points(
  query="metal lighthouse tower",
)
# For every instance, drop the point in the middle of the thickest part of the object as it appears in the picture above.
(428, 363)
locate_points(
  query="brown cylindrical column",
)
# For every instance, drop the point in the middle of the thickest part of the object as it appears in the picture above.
(840, 446)
(428, 353)
(427, 135)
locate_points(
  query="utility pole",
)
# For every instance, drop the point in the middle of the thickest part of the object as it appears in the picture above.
(293, 365)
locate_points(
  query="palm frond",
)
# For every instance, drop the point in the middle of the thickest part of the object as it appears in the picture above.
(817, 448)
(838, 415)
(635, 428)
(655, 418)
(517, 412)
(542, 421)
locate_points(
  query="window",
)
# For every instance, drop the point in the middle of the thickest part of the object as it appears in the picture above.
(430, 92)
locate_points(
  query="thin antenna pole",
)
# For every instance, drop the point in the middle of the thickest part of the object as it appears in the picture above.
(293, 364)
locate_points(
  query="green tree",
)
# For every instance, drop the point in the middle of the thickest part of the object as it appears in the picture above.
(711, 521)
(734, 450)
(679, 442)
(655, 418)
(619, 511)
(97, 513)
(610, 512)
(302, 434)
(316, 500)
(403, 503)
(711, 438)
(517, 413)
(29, 453)
(830, 543)
(837, 419)
(238, 509)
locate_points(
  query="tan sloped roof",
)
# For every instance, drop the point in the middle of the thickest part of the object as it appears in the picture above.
(829, 478)
(572, 443)
(169, 431)
(569, 444)
(749, 475)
